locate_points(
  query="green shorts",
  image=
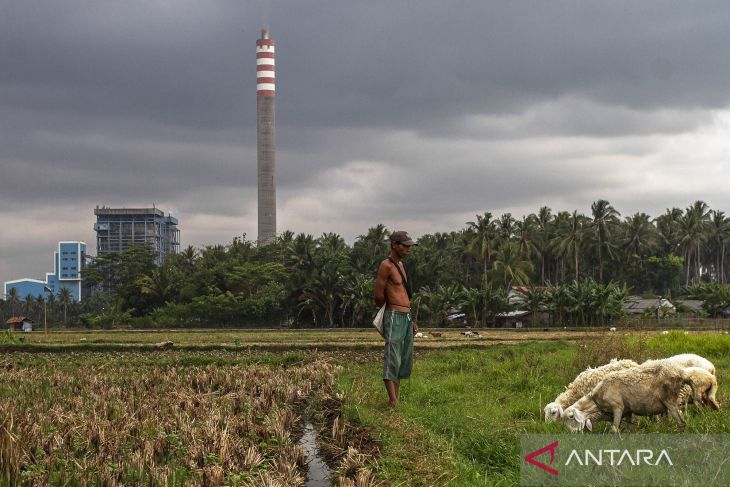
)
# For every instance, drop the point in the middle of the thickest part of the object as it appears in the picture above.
(398, 333)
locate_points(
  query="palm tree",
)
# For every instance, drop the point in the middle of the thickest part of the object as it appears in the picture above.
(668, 227)
(511, 267)
(639, 237)
(524, 233)
(28, 304)
(440, 300)
(188, 257)
(301, 250)
(719, 234)
(605, 217)
(534, 300)
(372, 247)
(13, 300)
(570, 239)
(40, 302)
(692, 226)
(481, 244)
(359, 297)
(543, 222)
(160, 284)
(65, 298)
(505, 227)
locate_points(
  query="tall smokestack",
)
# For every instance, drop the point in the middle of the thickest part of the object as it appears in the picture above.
(266, 136)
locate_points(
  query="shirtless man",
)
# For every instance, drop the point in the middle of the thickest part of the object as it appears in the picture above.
(392, 288)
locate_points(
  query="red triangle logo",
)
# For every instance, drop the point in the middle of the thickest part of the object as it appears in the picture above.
(530, 458)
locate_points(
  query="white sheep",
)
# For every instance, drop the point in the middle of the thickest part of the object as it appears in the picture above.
(686, 360)
(581, 386)
(645, 390)
(704, 387)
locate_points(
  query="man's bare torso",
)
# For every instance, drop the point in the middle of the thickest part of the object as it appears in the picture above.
(396, 296)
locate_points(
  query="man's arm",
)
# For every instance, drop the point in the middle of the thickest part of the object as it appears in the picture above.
(380, 281)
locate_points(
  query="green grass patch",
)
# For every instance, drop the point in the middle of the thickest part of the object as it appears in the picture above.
(462, 411)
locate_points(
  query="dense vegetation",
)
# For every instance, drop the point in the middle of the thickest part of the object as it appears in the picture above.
(579, 267)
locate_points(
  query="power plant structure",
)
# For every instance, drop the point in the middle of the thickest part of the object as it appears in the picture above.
(266, 136)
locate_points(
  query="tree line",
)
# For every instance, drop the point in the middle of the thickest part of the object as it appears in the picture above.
(579, 267)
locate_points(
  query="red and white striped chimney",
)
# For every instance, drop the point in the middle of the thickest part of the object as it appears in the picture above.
(266, 137)
(265, 65)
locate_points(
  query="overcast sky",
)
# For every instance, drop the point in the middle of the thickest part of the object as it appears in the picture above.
(415, 114)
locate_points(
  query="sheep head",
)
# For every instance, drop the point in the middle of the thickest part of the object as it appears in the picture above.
(553, 412)
(576, 421)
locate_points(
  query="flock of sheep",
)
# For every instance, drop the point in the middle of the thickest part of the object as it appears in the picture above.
(623, 388)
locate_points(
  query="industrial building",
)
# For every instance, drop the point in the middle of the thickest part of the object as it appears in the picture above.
(68, 262)
(118, 229)
(266, 136)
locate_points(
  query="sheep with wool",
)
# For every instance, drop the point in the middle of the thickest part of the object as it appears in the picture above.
(582, 385)
(686, 360)
(703, 388)
(643, 391)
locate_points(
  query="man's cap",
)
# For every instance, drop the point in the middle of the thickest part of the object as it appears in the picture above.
(402, 237)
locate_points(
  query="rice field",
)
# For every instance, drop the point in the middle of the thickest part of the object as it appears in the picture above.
(115, 409)
(166, 419)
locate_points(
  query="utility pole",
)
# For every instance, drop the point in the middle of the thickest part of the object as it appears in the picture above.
(45, 309)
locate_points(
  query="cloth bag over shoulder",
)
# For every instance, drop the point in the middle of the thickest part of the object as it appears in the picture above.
(378, 321)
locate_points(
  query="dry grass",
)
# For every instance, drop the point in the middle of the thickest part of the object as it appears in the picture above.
(595, 350)
(118, 422)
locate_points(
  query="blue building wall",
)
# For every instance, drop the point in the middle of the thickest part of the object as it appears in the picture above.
(25, 287)
(68, 262)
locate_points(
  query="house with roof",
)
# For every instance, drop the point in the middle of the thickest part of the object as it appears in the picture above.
(520, 317)
(20, 323)
(660, 307)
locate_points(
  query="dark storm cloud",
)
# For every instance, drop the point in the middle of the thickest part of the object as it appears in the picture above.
(469, 105)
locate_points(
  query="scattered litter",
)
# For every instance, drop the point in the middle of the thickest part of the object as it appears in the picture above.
(82, 339)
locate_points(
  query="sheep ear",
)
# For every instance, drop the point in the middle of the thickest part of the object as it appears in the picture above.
(560, 411)
(589, 425)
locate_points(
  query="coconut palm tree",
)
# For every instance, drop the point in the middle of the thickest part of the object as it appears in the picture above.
(505, 228)
(160, 284)
(188, 257)
(543, 220)
(13, 300)
(692, 233)
(40, 303)
(668, 227)
(639, 236)
(481, 244)
(510, 266)
(568, 243)
(719, 235)
(605, 217)
(65, 299)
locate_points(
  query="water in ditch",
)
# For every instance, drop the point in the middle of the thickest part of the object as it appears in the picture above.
(318, 471)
